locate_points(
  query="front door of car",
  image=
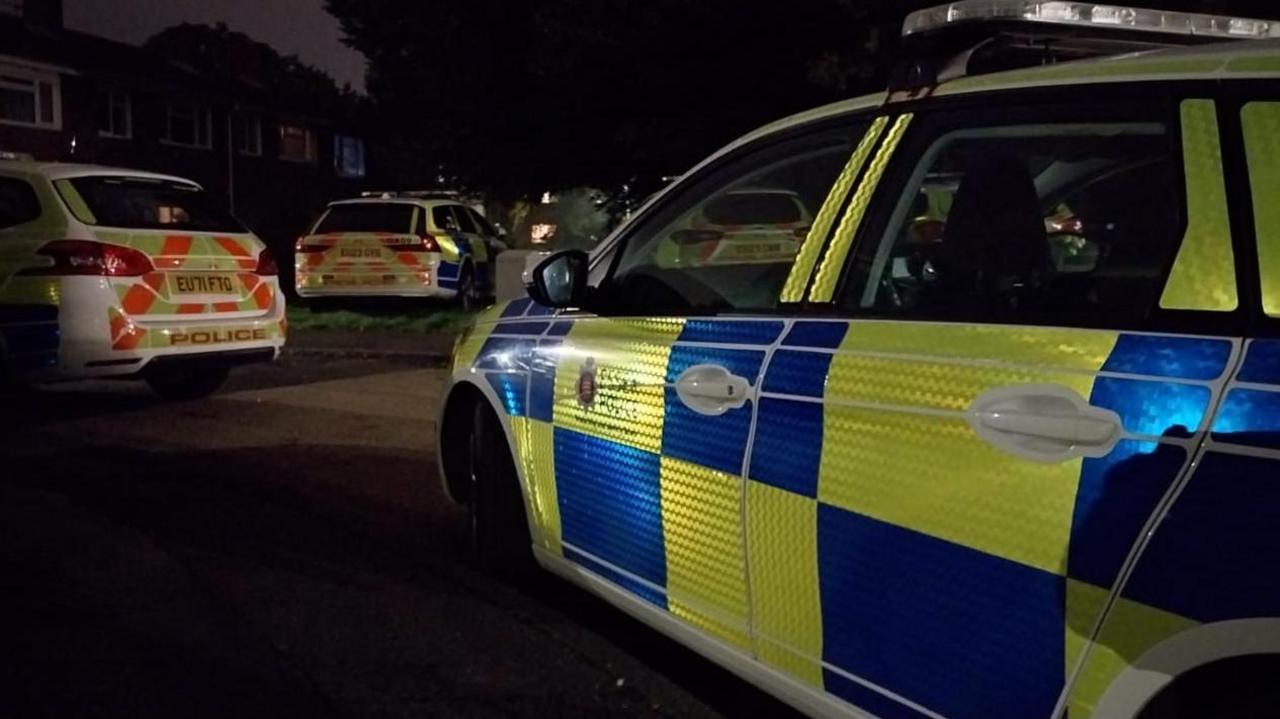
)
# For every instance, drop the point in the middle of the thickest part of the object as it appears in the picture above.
(642, 407)
(977, 445)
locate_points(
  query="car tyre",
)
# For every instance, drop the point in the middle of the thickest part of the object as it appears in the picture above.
(499, 529)
(467, 299)
(192, 383)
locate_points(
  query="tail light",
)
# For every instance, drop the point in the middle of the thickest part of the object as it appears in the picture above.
(267, 263)
(96, 259)
(304, 247)
(425, 243)
(693, 237)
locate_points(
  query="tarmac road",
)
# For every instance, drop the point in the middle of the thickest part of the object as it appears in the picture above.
(284, 549)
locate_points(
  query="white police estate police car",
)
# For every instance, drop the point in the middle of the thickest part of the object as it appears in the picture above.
(106, 272)
(1000, 438)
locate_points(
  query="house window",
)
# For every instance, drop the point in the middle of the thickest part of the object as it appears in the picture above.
(29, 97)
(115, 114)
(348, 156)
(248, 134)
(188, 125)
(297, 144)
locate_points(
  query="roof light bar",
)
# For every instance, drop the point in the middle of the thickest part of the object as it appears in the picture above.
(1090, 15)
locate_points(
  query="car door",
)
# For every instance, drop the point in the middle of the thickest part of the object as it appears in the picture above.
(476, 245)
(963, 457)
(635, 435)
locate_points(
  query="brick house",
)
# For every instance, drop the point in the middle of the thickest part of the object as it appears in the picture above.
(68, 95)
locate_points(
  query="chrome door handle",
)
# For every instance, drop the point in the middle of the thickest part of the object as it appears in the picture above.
(711, 389)
(1045, 423)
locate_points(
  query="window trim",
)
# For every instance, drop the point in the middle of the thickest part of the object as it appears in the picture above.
(245, 121)
(196, 109)
(110, 95)
(311, 139)
(36, 77)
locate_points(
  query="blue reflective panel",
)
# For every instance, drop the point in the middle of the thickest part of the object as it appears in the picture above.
(737, 332)
(521, 328)
(610, 504)
(788, 445)
(1249, 417)
(1178, 357)
(1262, 363)
(744, 363)
(505, 353)
(537, 310)
(448, 271)
(798, 373)
(1154, 408)
(1115, 498)
(865, 698)
(958, 631)
(542, 380)
(517, 307)
(511, 391)
(827, 335)
(640, 589)
(1213, 557)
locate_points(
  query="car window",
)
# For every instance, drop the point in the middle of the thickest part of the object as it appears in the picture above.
(367, 217)
(149, 204)
(443, 219)
(1055, 223)
(486, 228)
(727, 240)
(464, 219)
(18, 202)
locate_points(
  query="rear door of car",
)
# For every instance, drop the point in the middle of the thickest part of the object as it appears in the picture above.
(966, 449)
(476, 245)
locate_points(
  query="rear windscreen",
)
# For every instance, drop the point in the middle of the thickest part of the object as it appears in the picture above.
(765, 208)
(367, 217)
(147, 204)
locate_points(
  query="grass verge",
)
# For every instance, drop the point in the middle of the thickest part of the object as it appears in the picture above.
(378, 319)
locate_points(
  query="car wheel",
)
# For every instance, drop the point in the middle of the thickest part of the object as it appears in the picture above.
(467, 298)
(499, 529)
(192, 383)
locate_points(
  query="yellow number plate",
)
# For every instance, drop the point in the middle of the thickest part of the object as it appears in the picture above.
(204, 284)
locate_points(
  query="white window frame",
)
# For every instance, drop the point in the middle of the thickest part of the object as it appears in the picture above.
(338, 155)
(111, 96)
(173, 108)
(312, 150)
(23, 78)
(250, 126)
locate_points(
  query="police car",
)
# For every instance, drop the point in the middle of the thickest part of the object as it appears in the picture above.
(108, 272)
(1024, 463)
(398, 244)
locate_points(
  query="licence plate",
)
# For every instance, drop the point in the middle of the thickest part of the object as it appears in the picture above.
(360, 253)
(204, 285)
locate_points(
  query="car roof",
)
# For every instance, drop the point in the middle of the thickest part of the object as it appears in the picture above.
(416, 201)
(68, 170)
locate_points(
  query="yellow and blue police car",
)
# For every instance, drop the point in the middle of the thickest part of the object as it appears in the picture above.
(398, 244)
(1023, 465)
(107, 272)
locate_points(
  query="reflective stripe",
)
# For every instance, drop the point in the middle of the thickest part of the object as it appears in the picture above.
(793, 291)
(1261, 121)
(824, 285)
(1204, 274)
(71, 196)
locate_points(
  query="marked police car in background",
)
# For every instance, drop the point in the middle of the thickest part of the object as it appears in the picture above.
(107, 272)
(1011, 451)
(409, 244)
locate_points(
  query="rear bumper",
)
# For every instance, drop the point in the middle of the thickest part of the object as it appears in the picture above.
(377, 291)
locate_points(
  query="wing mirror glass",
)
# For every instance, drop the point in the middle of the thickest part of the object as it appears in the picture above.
(561, 280)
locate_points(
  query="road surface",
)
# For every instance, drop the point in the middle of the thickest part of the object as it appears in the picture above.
(284, 549)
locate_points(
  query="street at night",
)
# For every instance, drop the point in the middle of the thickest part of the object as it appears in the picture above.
(284, 549)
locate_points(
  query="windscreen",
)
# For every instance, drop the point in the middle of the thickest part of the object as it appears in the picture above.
(756, 208)
(151, 204)
(367, 217)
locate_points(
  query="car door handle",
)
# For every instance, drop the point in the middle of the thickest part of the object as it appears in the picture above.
(711, 389)
(1045, 423)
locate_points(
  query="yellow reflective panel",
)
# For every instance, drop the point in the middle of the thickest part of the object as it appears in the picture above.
(1037, 346)
(468, 345)
(537, 457)
(75, 202)
(1261, 122)
(786, 610)
(702, 531)
(1204, 273)
(626, 360)
(824, 285)
(1129, 630)
(793, 290)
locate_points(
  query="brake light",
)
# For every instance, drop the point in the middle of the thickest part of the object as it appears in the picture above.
(304, 247)
(693, 237)
(267, 263)
(97, 259)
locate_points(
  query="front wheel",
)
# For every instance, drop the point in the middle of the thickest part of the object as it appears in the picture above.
(499, 530)
(186, 384)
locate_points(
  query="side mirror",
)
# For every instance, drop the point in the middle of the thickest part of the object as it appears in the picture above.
(561, 280)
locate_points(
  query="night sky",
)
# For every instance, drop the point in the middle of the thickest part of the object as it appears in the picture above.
(293, 27)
